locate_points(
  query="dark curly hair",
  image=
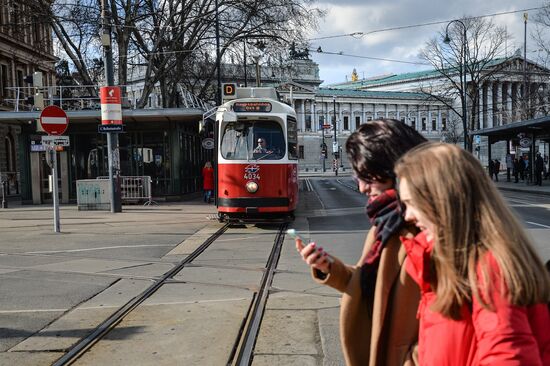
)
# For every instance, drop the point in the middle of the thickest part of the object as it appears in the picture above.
(374, 148)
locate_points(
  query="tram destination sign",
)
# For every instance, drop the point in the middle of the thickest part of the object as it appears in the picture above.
(252, 107)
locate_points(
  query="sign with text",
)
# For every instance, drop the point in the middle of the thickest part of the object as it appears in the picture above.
(252, 107)
(110, 128)
(55, 140)
(111, 107)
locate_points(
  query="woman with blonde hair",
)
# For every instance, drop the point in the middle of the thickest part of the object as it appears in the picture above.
(484, 290)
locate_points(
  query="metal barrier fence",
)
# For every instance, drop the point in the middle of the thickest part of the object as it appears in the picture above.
(135, 189)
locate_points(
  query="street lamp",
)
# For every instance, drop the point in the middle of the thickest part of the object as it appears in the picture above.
(447, 40)
(323, 145)
(335, 143)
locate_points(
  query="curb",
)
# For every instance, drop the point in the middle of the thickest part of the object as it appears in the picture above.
(530, 191)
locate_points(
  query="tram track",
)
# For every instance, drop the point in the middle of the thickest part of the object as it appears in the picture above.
(110, 323)
(244, 347)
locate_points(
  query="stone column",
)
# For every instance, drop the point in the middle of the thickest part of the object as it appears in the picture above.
(498, 105)
(514, 100)
(481, 106)
(490, 105)
(509, 112)
(314, 123)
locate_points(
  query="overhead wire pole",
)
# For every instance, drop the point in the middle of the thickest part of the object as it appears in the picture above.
(112, 138)
(218, 102)
(464, 85)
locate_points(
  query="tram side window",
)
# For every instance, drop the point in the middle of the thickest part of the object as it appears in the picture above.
(292, 135)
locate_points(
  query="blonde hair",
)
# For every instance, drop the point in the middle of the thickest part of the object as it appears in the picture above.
(208, 165)
(450, 187)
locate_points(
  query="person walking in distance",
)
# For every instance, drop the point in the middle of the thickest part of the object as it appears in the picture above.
(491, 168)
(509, 166)
(484, 290)
(516, 170)
(208, 181)
(378, 324)
(539, 167)
(496, 169)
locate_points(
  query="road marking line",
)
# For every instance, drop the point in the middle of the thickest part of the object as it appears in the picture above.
(536, 224)
(99, 248)
(32, 311)
(165, 303)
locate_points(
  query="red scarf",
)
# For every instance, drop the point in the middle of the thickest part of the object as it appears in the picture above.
(385, 214)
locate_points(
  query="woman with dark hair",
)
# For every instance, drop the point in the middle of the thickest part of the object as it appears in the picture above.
(378, 324)
(484, 289)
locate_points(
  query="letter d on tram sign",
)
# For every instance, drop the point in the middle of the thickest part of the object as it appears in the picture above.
(111, 108)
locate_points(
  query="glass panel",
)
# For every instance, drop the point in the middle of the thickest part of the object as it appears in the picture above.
(292, 136)
(253, 140)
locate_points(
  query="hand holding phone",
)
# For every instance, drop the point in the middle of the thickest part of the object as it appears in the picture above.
(316, 257)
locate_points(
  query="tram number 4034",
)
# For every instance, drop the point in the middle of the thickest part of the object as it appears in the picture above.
(252, 176)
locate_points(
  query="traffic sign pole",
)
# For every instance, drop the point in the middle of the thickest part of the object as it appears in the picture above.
(112, 138)
(55, 192)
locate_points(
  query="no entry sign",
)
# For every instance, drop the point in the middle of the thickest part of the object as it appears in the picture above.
(111, 109)
(54, 120)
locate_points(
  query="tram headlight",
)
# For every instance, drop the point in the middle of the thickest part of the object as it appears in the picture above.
(252, 187)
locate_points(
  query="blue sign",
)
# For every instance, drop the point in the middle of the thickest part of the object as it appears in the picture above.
(110, 128)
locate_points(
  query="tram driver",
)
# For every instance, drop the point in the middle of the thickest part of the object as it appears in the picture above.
(262, 147)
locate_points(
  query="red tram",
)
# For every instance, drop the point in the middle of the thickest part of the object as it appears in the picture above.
(257, 156)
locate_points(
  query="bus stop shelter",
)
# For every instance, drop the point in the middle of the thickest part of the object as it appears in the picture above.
(518, 133)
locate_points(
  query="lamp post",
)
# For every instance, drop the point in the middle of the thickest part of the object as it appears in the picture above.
(323, 145)
(335, 142)
(447, 40)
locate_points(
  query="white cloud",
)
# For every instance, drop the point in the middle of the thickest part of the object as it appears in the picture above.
(348, 16)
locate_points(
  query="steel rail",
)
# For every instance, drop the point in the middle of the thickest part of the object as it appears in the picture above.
(244, 346)
(86, 343)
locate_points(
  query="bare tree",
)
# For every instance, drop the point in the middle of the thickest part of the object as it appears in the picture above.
(484, 43)
(452, 133)
(173, 41)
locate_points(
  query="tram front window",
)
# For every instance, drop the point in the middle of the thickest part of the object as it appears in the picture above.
(253, 140)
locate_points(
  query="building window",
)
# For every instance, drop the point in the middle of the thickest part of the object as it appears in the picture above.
(300, 151)
(434, 124)
(444, 124)
(357, 122)
(346, 123)
(424, 124)
(321, 121)
(308, 123)
(3, 81)
(413, 122)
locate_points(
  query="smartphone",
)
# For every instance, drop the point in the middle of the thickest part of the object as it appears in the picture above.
(294, 234)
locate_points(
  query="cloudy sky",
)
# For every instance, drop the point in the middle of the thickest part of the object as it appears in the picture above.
(350, 16)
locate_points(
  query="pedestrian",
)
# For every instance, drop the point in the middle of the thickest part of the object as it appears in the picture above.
(497, 169)
(484, 290)
(491, 168)
(539, 167)
(509, 166)
(527, 169)
(516, 170)
(207, 181)
(378, 324)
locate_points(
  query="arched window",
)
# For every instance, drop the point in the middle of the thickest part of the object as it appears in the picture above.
(10, 153)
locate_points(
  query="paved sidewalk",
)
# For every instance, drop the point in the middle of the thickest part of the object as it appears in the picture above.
(502, 184)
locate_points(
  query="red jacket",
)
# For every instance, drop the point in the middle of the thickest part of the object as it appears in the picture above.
(208, 178)
(511, 335)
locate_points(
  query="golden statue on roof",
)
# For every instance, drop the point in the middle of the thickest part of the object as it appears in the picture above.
(354, 76)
